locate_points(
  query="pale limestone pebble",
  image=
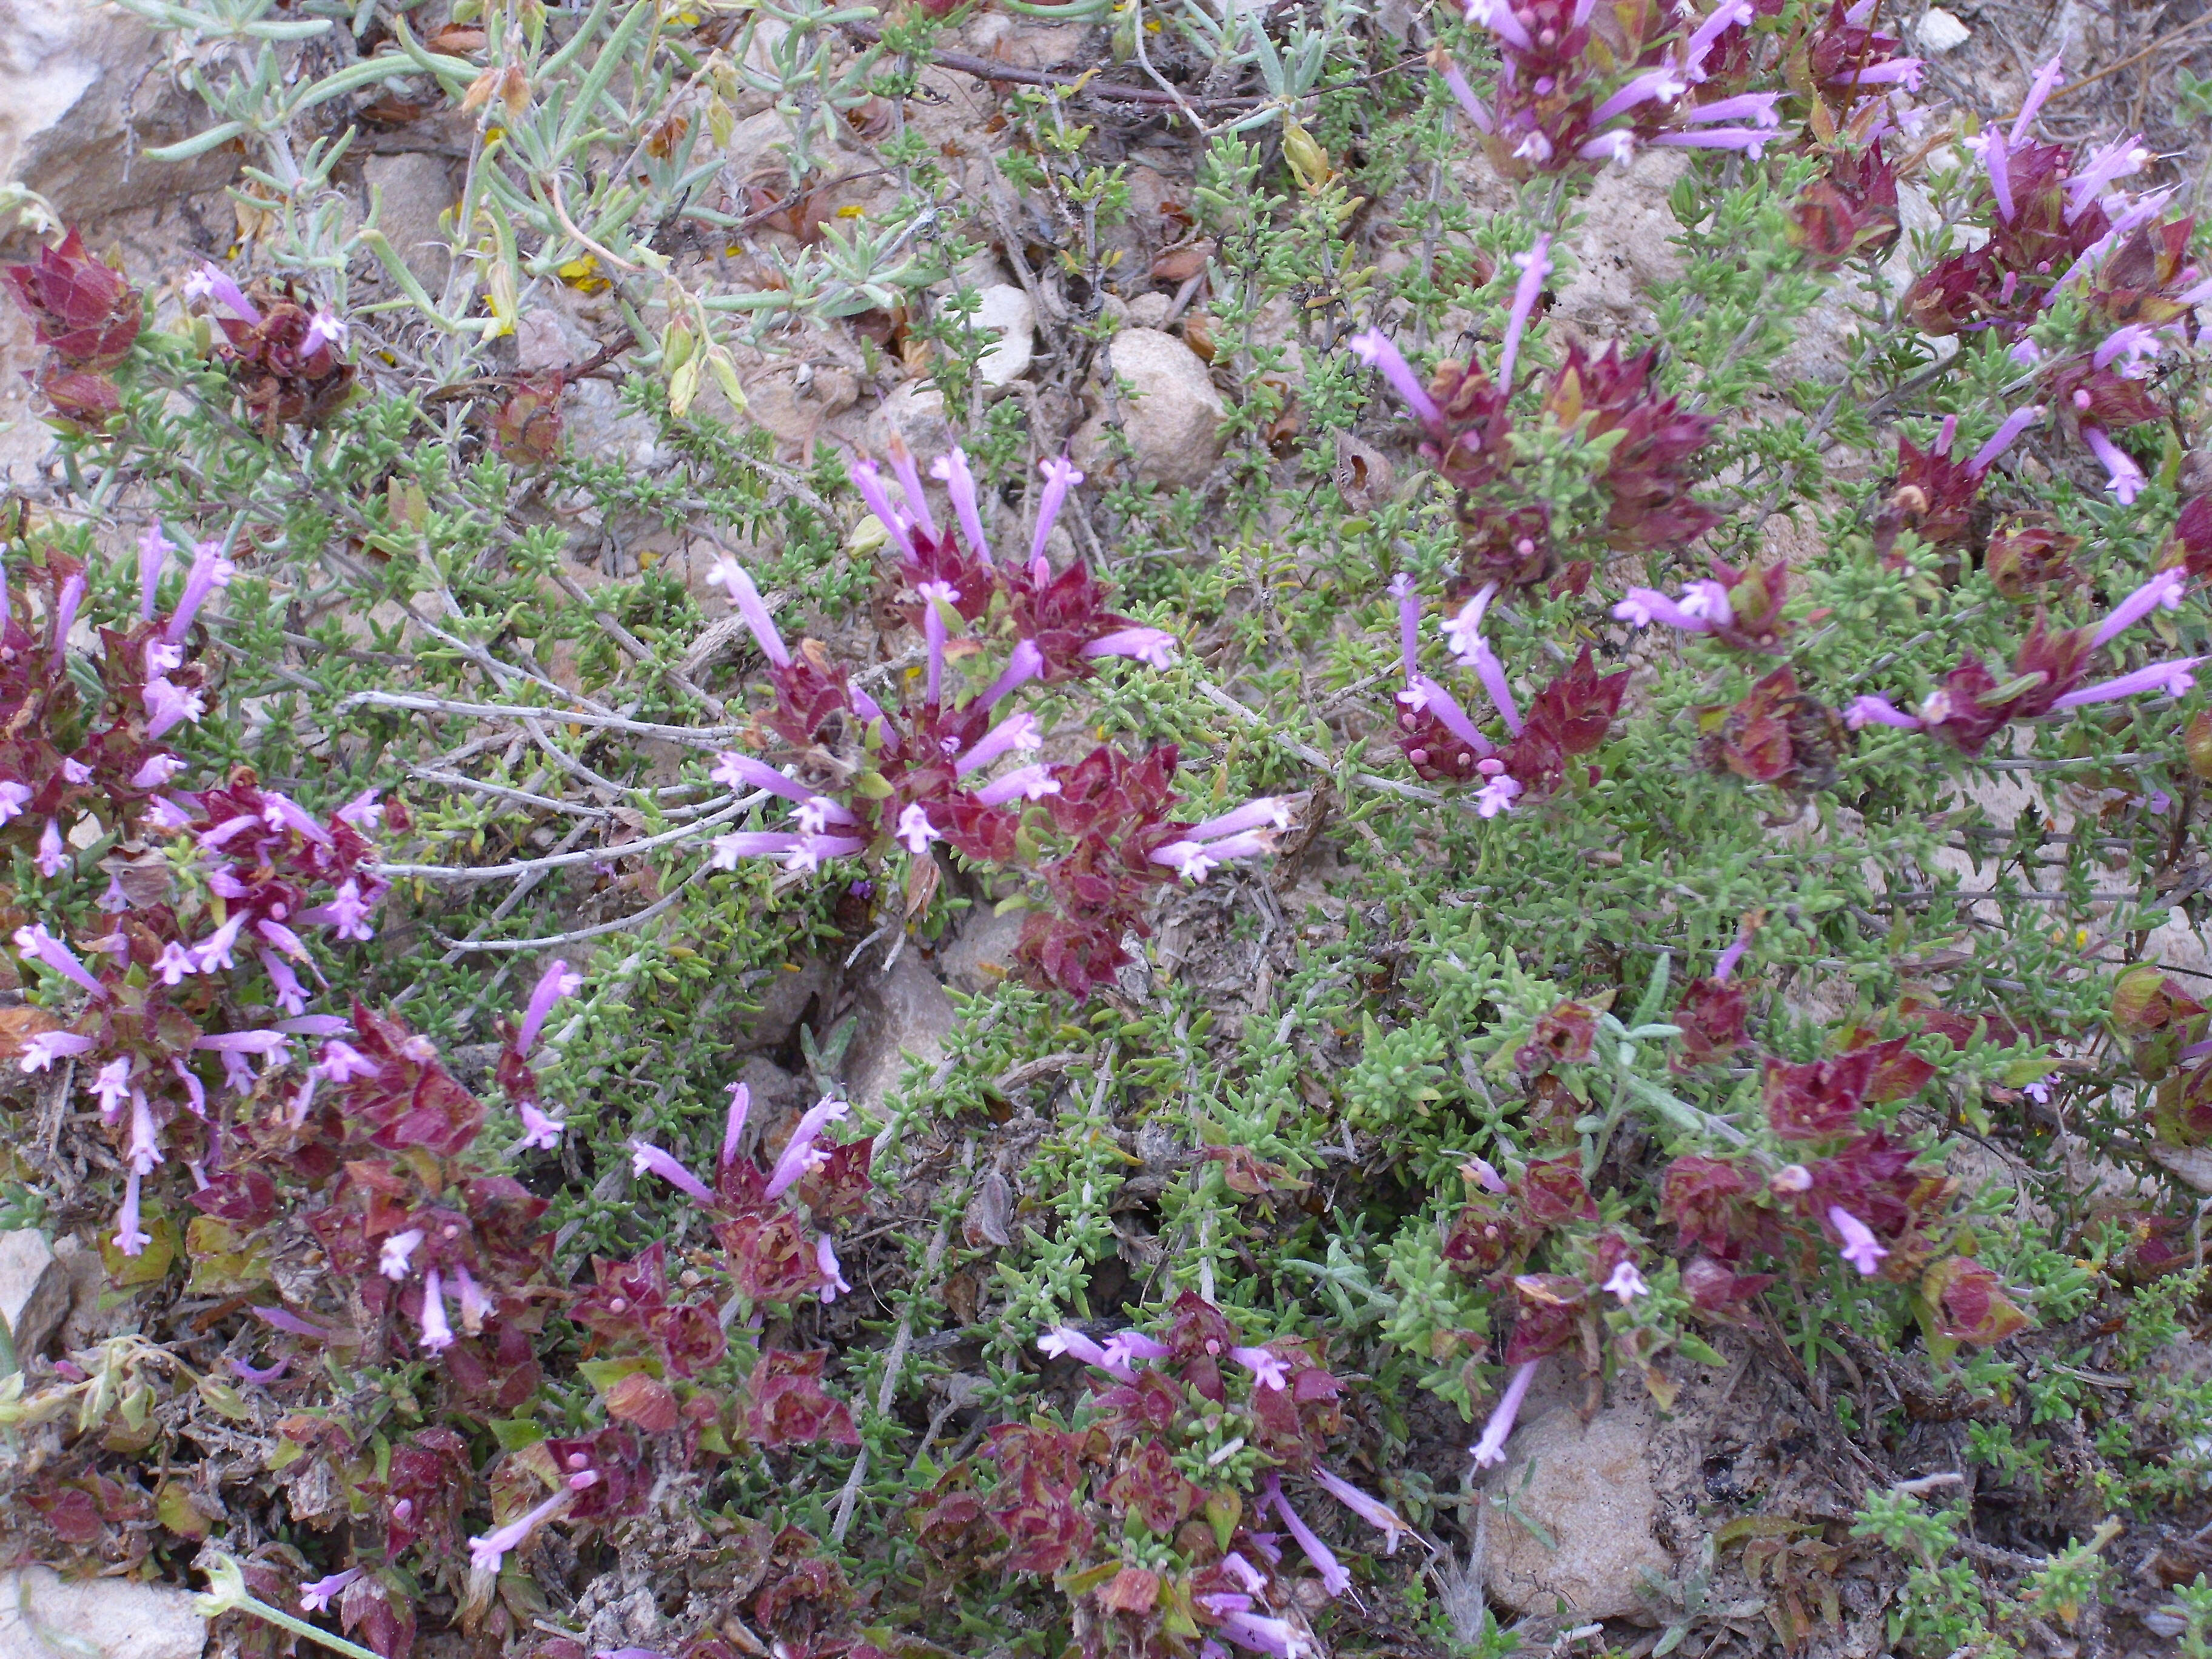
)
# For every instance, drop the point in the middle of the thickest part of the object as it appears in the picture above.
(1171, 417)
(43, 1616)
(1623, 248)
(982, 955)
(904, 1018)
(1939, 31)
(1007, 313)
(1590, 1488)
(413, 192)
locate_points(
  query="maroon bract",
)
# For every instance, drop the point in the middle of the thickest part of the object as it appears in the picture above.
(85, 312)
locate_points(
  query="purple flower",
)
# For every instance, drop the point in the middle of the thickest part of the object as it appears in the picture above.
(868, 478)
(214, 951)
(1374, 348)
(746, 597)
(1123, 1346)
(2126, 478)
(324, 329)
(1625, 1282)
(1379, 1516)
(394, 1260)
(1534, 267)
(77, 772)
(1022, 783)
(645, 1156)
(486, 1552)
(476, 1306)
(2162, 592)
(1639, 607)
(737, 771)
(1423, 693)
(47, 1047)
(1015, 731)
(1490, 1450)
(1485, 1174)
(1067, 1339)
(733, 1124)
(1267, 1371)
(261, 1374)
(754, 844)
(128, 1238)
(437, 1334)
(166, 703)
(937, 597)
(111, 1084)
(154, 548)
(277, 934)
(801, 1155)
(1024, 664)
(1861, 1249)
(557, 981)
(1464, 633)
(1060, 478)
(1462, 95)
(915, 830)
(833, 1275)
(1751, 141)
(316, 1597)
(209, 570)
(156, 772)
(917, 502)
(1154, 647)
(346, 914)
(1498, 795)
(341, 1063)
(1723, 17)
(1905, 72)
(1997, 162)
(2046, 81)
(1262, 811)
(537, 1129)
(2133, 341)
(951, 470)
(363, 812)
(1879, 711)
(2003, 438)
(208, 282)
(14, 798)
(2115, 160)
(2172, 678)
(36, 941)
(51, 861)
(1193, 859)
(1334, 1578)
(1757, 108)
(1662, 85)
(65, 607)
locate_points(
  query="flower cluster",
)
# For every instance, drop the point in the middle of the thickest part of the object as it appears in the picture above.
(1568, 717)
(863, 780)
(1575, 88)
(1192, 1437)
(283, 356)
(87, 316)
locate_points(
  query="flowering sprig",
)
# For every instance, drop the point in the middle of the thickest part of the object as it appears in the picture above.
(283, 356)
(87, 316)
(1096, 833)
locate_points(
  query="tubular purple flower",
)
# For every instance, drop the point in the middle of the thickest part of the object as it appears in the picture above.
(1124, 1346)
(2162, 592)
(2134, 340)
(735, 771)
(1535, 265)
(474, 1305)
(1462, 95)
(1153, 647)
(645, 1156)
(395, 1256)
(214, 951)
(167, 704)
(537, 1129)
(1997, 162)
(1258, 1634)
(1375, 1514)
(1751, 141)
(2126, 477)
(1268, 1372)
(1756, 107)
(154, 548)
(283, 1321)
(111, 1085)
(1484, 1174)
(2005, 436)
(950, 469)
(1334, 1578)
(807, 856)
(1409, 622)
(144, 1150)
(1861, 1249)
(47, 1047)
(826, 1264)
(342, 1062)
(36, 941)
(915, 830)
(1463, 633)
(2046, 81)
(557, 981)
(14, 798)
(1725, 965)
(1060, 478)
(1446, 706)
(1065, 1340)
(1015, 731)
(936, 598)
(65, 608)
(437, 1334)
(175, 964)
(1025, 663)
(1374, 348)
(753, 844)
(2115, 160)
(733, 1122)
(282, 938)
(917, 504)
(1664, 85)
(486, 1552)
(1193, 861)
(316, 1597)
(1497, 796)
(818, 813)
(1905, 71)
(51, 859)
(262, 1374)
(209, 570)
(799, 1153)
(1700, 42)
(128, 1238)
(746, 597)
(868, 478)
(1639, 607)
(1879, 711)
(2174, 678)
(1490, 1450)
(1263, 811)
(208, 282)
(1498, 16)
(1023, 783)
(1625, 1283)
(1618, 148)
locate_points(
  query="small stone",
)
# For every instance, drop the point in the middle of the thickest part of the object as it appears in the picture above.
(1591, 1490)
(41, 1615)
(1006, 311)
(1173, 418)
(914, 409)
(904, 1018)
(25, 1256)
(1151, 311)
(982, 956)
(1940, 32)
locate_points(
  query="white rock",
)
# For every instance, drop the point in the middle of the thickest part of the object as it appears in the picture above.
(24, 1257)
(1940, 32)
(1006, 311)
(1591, 1489)
(416, 189)
(1173, 419)
(904, 1018)
(1623, 249)
(81, 97)
(915, 412)
(42, 1617)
